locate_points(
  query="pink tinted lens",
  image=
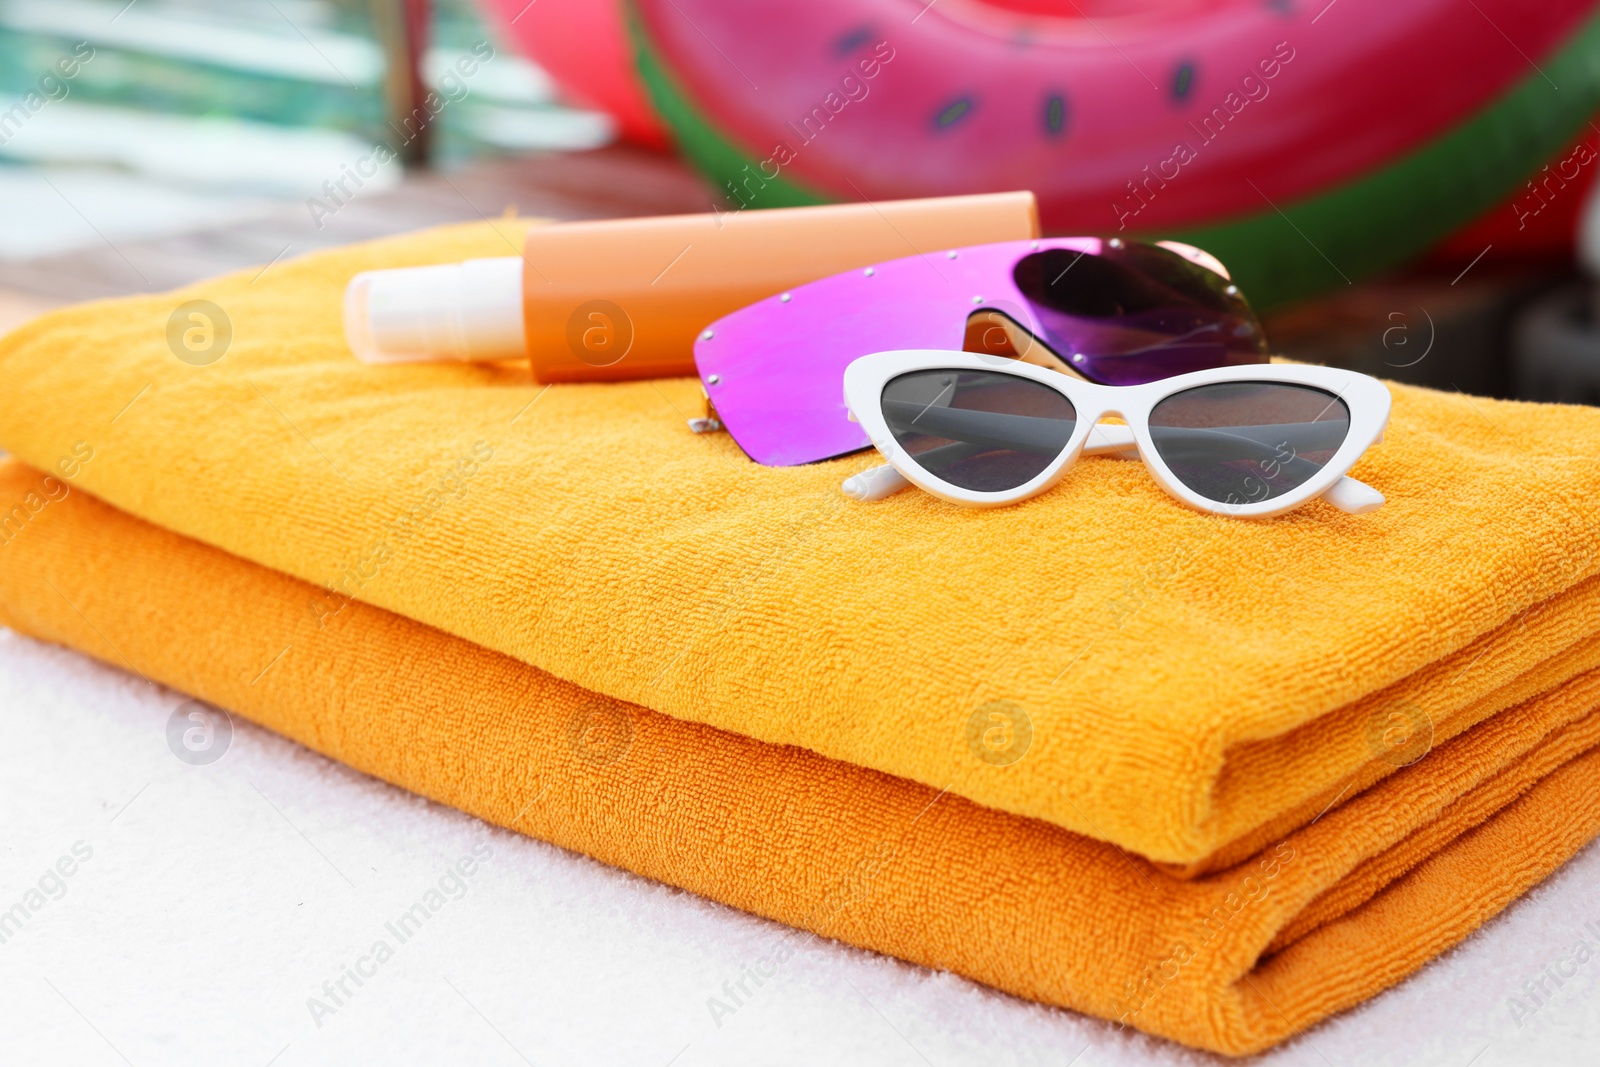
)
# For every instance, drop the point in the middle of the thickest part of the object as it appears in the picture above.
(774, 370)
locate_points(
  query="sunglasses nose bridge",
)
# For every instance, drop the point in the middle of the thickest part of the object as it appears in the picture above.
(1100, 413)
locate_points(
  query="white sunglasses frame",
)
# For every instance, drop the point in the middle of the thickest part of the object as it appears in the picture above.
(1366, 398)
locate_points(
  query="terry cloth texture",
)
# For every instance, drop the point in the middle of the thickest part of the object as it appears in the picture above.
(1099, 657)
(1234, 961)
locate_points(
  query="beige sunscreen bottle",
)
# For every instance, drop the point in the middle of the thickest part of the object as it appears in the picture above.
(624, 298)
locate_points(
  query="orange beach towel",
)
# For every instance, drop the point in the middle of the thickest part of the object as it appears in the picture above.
(1186, 686)
(1235, 960)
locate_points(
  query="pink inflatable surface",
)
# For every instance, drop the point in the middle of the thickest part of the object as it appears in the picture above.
(583, 45)
(1151, 114)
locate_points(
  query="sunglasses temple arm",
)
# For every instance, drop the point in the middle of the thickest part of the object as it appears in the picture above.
(875, 483)
(1353, 497)
(1346, 494)
(879, 483)
(1110, 439)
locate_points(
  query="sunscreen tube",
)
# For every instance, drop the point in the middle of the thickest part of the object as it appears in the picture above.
(625, 298)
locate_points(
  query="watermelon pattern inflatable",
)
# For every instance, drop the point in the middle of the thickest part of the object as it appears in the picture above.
(1305, 144)
(583, 46)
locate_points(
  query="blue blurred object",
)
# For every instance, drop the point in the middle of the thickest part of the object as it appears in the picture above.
(163, 115)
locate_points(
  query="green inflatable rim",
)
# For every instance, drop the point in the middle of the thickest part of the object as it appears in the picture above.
(1396, 212)
(711, 153)
(1291, 250)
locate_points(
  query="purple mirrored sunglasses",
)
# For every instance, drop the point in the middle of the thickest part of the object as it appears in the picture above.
(1111, 311)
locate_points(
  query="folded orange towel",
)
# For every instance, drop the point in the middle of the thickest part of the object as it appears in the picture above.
(1234, 961)
(1186, 686)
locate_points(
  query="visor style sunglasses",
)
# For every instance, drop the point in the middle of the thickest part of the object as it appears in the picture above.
(1108, 311)
(1242, 441)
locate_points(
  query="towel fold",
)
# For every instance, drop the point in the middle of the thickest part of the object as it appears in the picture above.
(1188, 687)
(1233, 961)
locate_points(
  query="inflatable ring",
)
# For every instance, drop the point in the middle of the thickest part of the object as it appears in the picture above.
(1304, 145)
(583, 46)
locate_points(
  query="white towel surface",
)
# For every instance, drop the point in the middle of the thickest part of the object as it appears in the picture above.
(216, 900)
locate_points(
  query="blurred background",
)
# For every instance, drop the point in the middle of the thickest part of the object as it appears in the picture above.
(1431, 231)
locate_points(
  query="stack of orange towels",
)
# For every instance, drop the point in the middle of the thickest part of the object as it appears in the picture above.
(1214, 779)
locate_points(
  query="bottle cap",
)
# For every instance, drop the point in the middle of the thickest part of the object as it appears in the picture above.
(467, 311)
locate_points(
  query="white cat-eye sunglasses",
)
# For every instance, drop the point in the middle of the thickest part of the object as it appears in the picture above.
(1245, 441)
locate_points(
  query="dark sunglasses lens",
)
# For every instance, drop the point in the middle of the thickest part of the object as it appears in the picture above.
(978, 430)
(1136, 313)
(1244, 442)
